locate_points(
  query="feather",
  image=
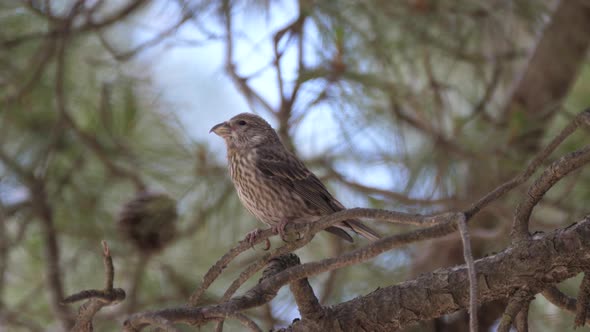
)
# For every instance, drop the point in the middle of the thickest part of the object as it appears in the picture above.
(286, 170)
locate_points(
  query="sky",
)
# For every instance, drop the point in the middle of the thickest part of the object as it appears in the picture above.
(192, 79)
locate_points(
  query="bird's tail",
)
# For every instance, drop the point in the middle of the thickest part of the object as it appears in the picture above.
(365, 231)
(340, 233)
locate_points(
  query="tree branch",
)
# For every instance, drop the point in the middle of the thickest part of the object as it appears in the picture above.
(550, 258)
(468, 255)
(583, 301)
(252, 97)
(560, 300)
(516, 305)
(97, 299)
(557, 170)
(307, 302)
(522, 318)
(89, 25)
(581, 118)
(252, 298)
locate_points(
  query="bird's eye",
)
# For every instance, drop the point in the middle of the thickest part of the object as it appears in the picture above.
(242, 123)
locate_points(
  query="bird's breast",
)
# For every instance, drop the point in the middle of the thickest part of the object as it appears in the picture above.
(266, 199)
(242, 169)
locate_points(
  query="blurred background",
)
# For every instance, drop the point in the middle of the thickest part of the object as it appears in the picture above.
(419, 106)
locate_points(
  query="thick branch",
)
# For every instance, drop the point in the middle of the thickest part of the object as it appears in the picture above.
(550, 259)
(307, 302)
(551, 71)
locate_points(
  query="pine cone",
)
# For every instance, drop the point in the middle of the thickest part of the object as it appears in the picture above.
(149, 221)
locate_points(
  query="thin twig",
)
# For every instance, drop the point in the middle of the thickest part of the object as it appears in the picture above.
(252, 97)
(392, 195)
(260, 263)
(86, 27)
(582, 118)
(552, 174)
(39, 62)
(283, 114)
(103, 155)
(559, 299)
(152, 42)
(427, 129)
(468, 255)
(97, 299)
(491, 87)
(19, 319)
(222, 263)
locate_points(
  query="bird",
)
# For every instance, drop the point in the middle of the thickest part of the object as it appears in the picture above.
(273, 184)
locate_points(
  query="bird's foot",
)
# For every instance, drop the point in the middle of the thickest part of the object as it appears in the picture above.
(252, 236)
(279, 228)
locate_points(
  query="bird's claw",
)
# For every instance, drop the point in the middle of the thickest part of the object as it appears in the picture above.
(280, 229)
(252, 236)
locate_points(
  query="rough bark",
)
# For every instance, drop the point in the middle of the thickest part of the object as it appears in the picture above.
(533, 265)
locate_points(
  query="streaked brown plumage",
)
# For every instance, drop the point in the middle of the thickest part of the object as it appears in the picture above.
(272, 183)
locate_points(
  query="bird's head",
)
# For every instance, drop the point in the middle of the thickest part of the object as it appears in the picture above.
(245, 131)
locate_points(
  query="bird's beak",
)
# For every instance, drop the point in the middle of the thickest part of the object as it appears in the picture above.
(221, 129)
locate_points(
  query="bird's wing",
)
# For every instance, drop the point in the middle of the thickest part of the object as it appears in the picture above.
(284, 168)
